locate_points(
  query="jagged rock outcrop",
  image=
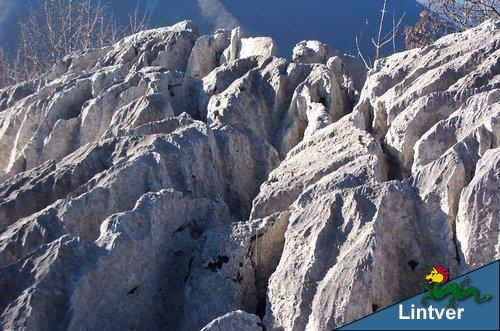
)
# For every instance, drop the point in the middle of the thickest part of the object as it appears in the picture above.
(172, 181)
(437, 110)
(241, 47)
(312, 51)
(345, 228)
(478, 216)
(105, 160)
(97, 94)
(206, 53)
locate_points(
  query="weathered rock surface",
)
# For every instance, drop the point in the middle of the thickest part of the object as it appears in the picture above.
(478, 218)
(438, 109)
(312, 51)
(410, 92)
(106, 159)
(172, 181)
(241, 47)
(82, 104)
(320, 288)
(237, 321)
(206, 53)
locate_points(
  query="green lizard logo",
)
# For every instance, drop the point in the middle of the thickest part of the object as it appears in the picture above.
(439, 276)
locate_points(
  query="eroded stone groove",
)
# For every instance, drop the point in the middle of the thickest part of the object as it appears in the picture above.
(170, 180)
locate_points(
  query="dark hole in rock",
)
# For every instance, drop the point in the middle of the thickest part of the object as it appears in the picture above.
(413, 264)
(322, 100)
(261, 307)
(171, 89)
(307, 233)
(360, 139)
(194, 230)
(394, 172)
(217, 263)
(133, 290)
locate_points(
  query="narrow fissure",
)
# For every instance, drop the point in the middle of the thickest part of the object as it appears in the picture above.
(260, 282)
(394, 169)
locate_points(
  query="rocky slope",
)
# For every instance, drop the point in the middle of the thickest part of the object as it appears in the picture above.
(172, 181)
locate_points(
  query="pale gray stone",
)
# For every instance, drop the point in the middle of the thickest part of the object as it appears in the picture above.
(241, 47)
(236, 320)
(312, 51)
(206, 54)
(478, 218)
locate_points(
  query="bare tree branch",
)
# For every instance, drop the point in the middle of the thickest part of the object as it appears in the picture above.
(360, 54)
(381, 39)
(378, 43)
(60, 27)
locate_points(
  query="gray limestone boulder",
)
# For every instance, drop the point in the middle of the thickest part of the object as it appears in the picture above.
(206, 54)
(241, 47)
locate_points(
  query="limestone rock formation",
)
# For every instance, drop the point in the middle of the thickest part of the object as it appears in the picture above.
(478, 218)
(241, 47)
(312, 51)
(178, 181)
(437, 110)
(418, 100)
(206, 53)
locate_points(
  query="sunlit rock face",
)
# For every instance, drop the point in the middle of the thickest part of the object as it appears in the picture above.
(179, 181)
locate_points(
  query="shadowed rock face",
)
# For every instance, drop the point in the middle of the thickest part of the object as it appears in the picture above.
(170, 180)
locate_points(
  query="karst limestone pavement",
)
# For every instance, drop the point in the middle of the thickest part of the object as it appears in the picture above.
(178, 181)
